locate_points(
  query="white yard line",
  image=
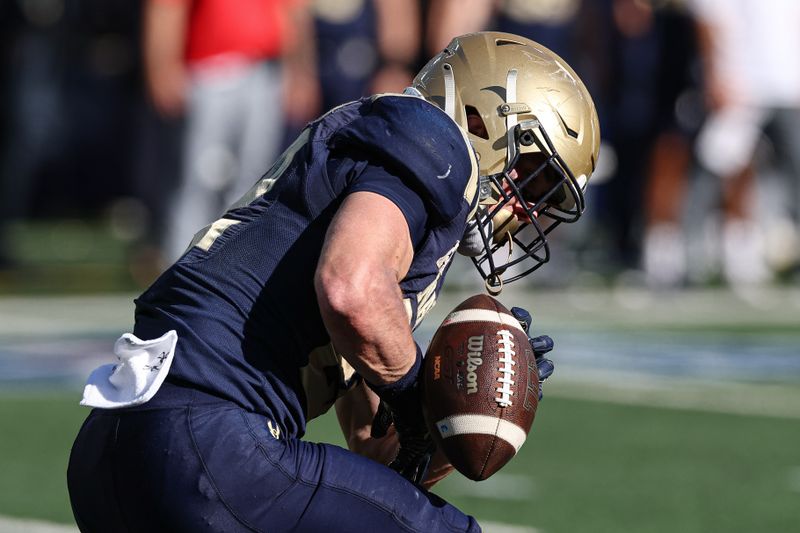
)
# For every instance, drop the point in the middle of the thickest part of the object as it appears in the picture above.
(21, 525)
(498, 527)
(776, 401)
(501, 486)
(46, 317)
(793, 478)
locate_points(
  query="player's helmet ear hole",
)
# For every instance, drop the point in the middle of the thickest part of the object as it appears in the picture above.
(475, 122)
(527, 139)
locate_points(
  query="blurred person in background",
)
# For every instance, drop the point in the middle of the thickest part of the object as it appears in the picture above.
(237, 70)
(365, 47)
(569, 28)
(633, 49)
(69, 87)
(753, 93)
(680, 111)
(447, 18)
(640, 75)
(672, 106)
(22, 140)
(549, 22)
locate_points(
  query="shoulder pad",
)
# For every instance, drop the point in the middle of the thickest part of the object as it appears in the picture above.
(417, 141)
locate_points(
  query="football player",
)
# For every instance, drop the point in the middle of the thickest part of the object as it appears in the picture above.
(307, 291)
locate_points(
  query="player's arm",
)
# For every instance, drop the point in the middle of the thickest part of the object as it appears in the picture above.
(455, 17)
(717, 94)
(367, 252)
(399, 37)
(301, 89)
(164, 30)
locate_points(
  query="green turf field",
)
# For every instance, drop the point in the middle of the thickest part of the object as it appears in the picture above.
(588, 466)
(618, 445)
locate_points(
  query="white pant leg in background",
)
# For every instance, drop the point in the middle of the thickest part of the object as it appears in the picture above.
(262, 129)
(234, 128)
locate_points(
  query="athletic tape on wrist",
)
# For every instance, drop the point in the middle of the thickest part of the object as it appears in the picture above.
(407, 382)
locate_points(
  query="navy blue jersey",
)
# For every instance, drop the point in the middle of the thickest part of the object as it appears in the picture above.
(242, 297)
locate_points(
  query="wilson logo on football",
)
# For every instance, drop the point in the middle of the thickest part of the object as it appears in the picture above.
(474, 360)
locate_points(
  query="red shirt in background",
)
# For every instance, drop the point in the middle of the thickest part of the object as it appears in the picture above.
(255, 29)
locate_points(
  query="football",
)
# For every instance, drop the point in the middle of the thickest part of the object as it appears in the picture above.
(480, 387)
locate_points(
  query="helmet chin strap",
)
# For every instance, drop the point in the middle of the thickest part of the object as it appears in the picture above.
(504, 224)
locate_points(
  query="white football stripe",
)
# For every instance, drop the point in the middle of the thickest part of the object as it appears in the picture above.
(481, 315)
(482, 424)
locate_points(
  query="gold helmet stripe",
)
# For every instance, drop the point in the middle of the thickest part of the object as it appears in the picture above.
(511, 97)
(449, 91)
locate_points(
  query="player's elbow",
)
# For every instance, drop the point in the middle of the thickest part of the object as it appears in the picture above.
(343, 295)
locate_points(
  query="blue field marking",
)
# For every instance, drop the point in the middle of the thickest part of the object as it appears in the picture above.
(754, 358)
(50, 342)
(65, 362)
(762, 357)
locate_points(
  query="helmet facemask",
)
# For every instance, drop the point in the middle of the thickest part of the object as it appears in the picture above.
(521, 205)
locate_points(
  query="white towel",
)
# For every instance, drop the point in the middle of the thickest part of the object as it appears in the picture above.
(137, 376)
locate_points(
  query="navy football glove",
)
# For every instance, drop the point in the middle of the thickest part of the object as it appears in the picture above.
(401, 405)
(540, 345)
(416, 446)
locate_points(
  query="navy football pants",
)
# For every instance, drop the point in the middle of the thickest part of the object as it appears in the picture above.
(201, 464)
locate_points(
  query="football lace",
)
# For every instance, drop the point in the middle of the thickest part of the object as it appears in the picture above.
(506, 378)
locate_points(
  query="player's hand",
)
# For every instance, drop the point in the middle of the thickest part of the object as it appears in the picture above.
(541, 345)
(416, 445)
(414, 457)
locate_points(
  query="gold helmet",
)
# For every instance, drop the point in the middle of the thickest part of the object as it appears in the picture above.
(535, 130)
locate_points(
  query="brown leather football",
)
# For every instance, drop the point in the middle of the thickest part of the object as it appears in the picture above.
(481, 386)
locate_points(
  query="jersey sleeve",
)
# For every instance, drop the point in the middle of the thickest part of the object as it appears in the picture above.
(379, 181)
(420, 146)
